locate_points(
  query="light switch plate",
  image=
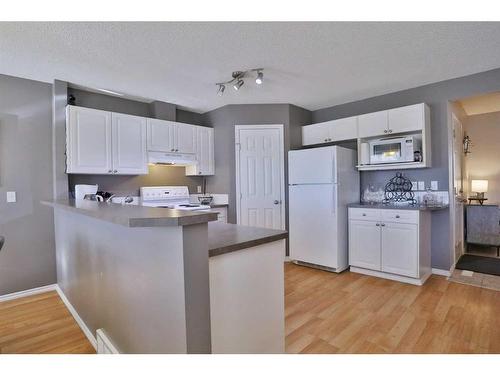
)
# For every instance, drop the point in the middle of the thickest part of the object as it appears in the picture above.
(414, 185)
(434, 185)
(11, 197)
(421, 185)
(198, 189)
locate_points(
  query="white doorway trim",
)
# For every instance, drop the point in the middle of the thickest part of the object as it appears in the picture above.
(451, 177)
(237, 129)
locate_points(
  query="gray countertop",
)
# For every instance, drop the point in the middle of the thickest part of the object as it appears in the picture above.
(388, 206)
(224, 238)
(133, 215)
(219, 205)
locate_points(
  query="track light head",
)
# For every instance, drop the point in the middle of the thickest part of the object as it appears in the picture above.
(220, 92)
(238, 84)
(260, 78)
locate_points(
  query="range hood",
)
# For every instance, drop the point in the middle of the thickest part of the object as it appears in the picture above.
(171, 158)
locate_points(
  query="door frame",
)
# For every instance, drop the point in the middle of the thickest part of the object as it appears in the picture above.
(451, 186)
(237, 129)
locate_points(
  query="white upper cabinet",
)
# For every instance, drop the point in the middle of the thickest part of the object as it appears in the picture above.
(129, 144)
(161, 135)
(101, 142)
(204, 153)
(186, 138)
(330, 131)
(171, 136)
(344, 129)
(316, 133)
(373, 124)
(88, 141)
(406, 119)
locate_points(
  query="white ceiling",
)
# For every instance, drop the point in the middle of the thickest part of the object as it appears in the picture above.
(313, 65)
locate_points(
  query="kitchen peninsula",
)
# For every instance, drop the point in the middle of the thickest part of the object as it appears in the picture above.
(158, 280)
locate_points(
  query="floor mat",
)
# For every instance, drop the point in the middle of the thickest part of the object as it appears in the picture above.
(477, 263)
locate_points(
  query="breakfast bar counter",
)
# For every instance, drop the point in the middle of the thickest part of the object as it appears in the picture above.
(160, 280)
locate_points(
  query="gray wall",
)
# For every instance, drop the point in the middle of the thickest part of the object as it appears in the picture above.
(437, 96)
(224, 119)
(28, 258)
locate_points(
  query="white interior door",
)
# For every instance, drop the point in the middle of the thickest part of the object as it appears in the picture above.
(458, 188)
(259, 176)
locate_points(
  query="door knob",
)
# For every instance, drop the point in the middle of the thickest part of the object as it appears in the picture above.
(276, 202)
(385, 131)
(115, 171)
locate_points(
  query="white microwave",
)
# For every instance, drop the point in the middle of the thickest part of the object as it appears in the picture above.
(396, 150)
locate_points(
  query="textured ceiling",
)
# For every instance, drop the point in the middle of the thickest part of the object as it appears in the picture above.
(312, 65)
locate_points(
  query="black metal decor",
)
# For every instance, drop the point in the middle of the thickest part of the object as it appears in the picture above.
(398, 190)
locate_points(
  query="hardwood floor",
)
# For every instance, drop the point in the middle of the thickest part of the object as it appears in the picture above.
(325, 313)
(353, 313)
(40, 324)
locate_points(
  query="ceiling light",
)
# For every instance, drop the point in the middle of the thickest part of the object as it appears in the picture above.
(238, 79)
(238, 84)
(260, 78)
(220, 92)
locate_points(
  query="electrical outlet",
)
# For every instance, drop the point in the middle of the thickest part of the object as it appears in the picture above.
(414, 185)
(421, 185)
(434, 185)
(198, 189)
(11, 197)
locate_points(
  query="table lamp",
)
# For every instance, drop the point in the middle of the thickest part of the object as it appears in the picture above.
(479, 187)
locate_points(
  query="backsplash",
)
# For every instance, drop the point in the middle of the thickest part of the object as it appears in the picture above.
(130, 185)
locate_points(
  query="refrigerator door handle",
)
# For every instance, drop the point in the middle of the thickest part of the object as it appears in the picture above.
(334, 199)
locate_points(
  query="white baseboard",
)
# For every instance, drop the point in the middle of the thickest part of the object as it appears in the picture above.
(390, 276)
(77, 318)
(29, 292)
(440, 272)
(287, 259)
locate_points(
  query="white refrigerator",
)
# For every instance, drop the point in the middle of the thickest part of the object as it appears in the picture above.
(322, 182)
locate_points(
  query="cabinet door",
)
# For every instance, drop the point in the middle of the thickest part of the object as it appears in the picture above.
(316, 133)
(400, 249)
(406, 119)
(372, 124)
(161, 135)
(364, 244)
(88, 141)
(186, 138)
(343, 129)
(204, 153)
(129, 144)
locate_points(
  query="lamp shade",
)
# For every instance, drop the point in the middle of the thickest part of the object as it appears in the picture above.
(479, 186)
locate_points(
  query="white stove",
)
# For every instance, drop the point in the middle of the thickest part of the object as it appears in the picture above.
(176, 197)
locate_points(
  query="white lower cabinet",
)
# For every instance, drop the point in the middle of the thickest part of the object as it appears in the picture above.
(393, 244)
(364, 244)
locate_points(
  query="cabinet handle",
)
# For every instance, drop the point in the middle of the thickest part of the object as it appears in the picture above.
(176, 150)
(364, 214)
(397, 216)
(199, 172)
(377, 224)
(172, 150)
(326, 139)
(382, 225)
(390, 130)
(110, 171)
(115, 171)
(385, 131)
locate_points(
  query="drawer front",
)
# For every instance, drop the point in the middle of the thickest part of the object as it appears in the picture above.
(371, 214)
(400, 216)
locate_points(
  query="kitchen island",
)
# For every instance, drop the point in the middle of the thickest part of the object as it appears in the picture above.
(144, 277)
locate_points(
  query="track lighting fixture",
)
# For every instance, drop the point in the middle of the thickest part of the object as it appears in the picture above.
(238, 80)
(260, 77)
(238, 84)
(220, 92)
